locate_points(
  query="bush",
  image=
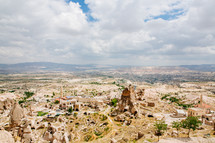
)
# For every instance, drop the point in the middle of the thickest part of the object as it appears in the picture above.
(173, 99)
(165, 96)
(114, 102)
(97, 83)
(70, 110)
(87, 138)
(57, 102)
(21, 101)
(29, 94)
(103, 117)
(106, 129)
(97, 133)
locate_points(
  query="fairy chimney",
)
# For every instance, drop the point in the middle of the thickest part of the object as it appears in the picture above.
(16, 115)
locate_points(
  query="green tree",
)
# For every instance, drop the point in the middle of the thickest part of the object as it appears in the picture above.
(191, 123)
(57, 102)
(160, 127)
(177, 125)
(28, 94)
(70, 110)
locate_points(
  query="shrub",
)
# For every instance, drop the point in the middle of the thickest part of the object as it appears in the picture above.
(106, 129)
(103, 117)
(21, 101)
(70, 110)
(87, 138)
(173, 99)
(57, 102)
(97, 133)
(165, 96)
(114, 102)
(29, 94)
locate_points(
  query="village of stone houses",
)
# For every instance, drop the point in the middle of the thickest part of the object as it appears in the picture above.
(62, 108)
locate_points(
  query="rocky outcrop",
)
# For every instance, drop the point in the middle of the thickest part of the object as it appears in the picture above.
(27, 135)
(6, 137)
(6, 104)
(140, 94)
(49, 134)
(16, 115)
(126, 104)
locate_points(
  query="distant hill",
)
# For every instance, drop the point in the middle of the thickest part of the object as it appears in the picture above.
(202, 68)
(35, 67)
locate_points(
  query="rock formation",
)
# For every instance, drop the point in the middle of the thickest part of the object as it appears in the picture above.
(140, 94)
(126, 104)
(6, 137)
(49, 134)
(6, 104)
(16, 115)
(27, 135)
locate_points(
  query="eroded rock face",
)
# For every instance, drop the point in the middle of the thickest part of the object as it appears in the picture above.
(16, 115)
(6, 104)
(49, 134)
(140, 94)
(126, 103)
(27, 135)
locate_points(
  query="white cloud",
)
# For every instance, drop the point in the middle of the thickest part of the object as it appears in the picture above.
(56, 31)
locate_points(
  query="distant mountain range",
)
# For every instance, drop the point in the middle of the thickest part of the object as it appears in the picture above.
(35, 67)
(203, 68)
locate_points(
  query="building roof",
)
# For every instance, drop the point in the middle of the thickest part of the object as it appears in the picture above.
(70, 96)
(203, 105)
(196, 109)
(180, 111)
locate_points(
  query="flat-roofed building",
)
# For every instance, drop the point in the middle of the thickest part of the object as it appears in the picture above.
(195, 112)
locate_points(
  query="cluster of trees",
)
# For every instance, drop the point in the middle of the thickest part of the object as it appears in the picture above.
(27, 95)
(189, 123)
(176, 100)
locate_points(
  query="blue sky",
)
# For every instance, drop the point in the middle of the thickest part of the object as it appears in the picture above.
(83, 5)
(84, 8)
(169, 15)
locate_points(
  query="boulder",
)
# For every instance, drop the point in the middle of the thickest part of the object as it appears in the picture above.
(139, 135)
(113, 140)
(6, 137)
(120, 118)
(58, 136)
(5, 104)
(27, 136)
(48, 136)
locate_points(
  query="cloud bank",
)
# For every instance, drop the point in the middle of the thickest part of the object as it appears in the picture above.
(128, 32)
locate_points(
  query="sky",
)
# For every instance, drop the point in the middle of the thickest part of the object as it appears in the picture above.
(113, 32)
